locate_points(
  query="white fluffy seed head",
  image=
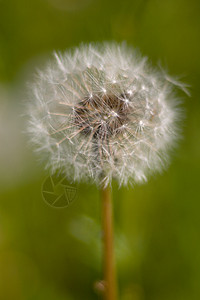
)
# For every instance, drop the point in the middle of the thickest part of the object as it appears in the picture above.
(101, 112)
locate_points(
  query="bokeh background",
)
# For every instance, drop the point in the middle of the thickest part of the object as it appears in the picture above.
(55, 254)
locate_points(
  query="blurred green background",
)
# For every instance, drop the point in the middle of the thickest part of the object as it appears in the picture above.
(55, 254)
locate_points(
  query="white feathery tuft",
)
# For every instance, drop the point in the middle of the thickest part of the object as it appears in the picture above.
(101, 112)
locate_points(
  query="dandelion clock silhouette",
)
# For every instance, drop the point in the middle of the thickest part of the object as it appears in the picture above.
(102, 112)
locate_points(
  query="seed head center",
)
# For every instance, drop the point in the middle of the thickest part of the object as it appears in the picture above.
(104, 115)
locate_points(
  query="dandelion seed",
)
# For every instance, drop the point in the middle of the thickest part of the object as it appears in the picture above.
(130, 92)
(109, 114)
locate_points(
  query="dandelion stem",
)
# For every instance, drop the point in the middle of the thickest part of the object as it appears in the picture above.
(108, 243)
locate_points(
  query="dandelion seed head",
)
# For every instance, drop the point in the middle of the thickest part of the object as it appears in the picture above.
(102, 112)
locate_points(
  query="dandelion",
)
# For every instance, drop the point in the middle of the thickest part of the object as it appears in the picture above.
(101, 112)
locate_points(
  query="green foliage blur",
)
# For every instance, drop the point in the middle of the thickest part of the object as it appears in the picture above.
(55, 254)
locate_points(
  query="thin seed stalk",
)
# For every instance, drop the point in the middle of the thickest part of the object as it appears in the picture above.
(108, 245)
